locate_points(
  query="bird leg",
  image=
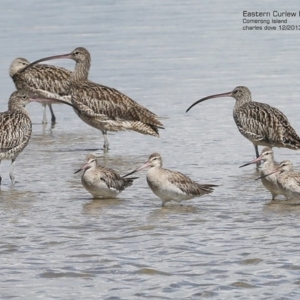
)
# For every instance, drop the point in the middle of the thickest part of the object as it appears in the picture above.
(256, 150)
(44, 115)
(106, 142)
(53, 118)
(0, 177)
(11, 172)
(257, 155)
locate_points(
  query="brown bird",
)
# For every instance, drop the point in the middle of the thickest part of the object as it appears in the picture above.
(46, 80)
(260, 123)
(100, 181)
(103, 107)
(171, 185)
(269, 165)
(16, 127)
(287, 179)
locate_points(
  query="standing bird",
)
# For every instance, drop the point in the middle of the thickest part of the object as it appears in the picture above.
(16, 127)
(260, 123)
(287, 179)
(46, 80)
(269, 165)
(171, 185)
(103, 107)
(100, 181)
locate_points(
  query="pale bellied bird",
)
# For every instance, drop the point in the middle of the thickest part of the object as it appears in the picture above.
(100, 181)
(171, 185)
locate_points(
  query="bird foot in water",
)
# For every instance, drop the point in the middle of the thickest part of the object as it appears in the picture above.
(12, 179)
(105, 149)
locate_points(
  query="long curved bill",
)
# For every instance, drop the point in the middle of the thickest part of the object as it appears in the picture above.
(252, 162)
(146, 165)
(68, 55)
(229, 94)
(37, 98)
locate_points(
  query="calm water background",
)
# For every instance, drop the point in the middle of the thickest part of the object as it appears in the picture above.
(56, 242)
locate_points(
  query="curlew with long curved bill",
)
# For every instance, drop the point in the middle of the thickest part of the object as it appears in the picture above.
(287, 179)
(103, 107)
(260, 123)
(100, 181)
(171, 185)
(16, 126)
(45, 80)
(269, 165)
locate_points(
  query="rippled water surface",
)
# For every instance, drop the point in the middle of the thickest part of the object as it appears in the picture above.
(56, 242)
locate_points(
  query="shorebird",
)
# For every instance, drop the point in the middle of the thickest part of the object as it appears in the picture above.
(269, 165)
(260, 123)
(100, 181)
(46, 80)
(171, 185)
(287, 179)
(16, 127)
(103, 107)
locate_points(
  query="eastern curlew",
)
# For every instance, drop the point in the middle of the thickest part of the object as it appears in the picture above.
(16, 127)
(102, 182)
(287, 179)
(103, 107)
(46, 80)
(260, 123)
(269, 165)
(171, 185)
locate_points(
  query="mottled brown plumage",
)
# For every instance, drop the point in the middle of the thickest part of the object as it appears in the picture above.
(100, 181)
(171, 185)
(44, 80)
(260, 123)
(16, 126)
(103, 107)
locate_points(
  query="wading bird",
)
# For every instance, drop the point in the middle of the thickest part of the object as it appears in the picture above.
(45, 80)
(16, 127)
(269, 165)
(171, 185)
(102, 182)
(103, 107)
(287, 179)
(260, 123)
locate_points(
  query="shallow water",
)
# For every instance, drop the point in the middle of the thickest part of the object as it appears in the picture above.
(57, 242)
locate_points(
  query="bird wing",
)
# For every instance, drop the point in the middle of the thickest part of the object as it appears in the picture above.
(112, 179)
(44, 78)
(15, 129)
(294, 178)
(100, 100)
(187, 185)
(260, 122)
